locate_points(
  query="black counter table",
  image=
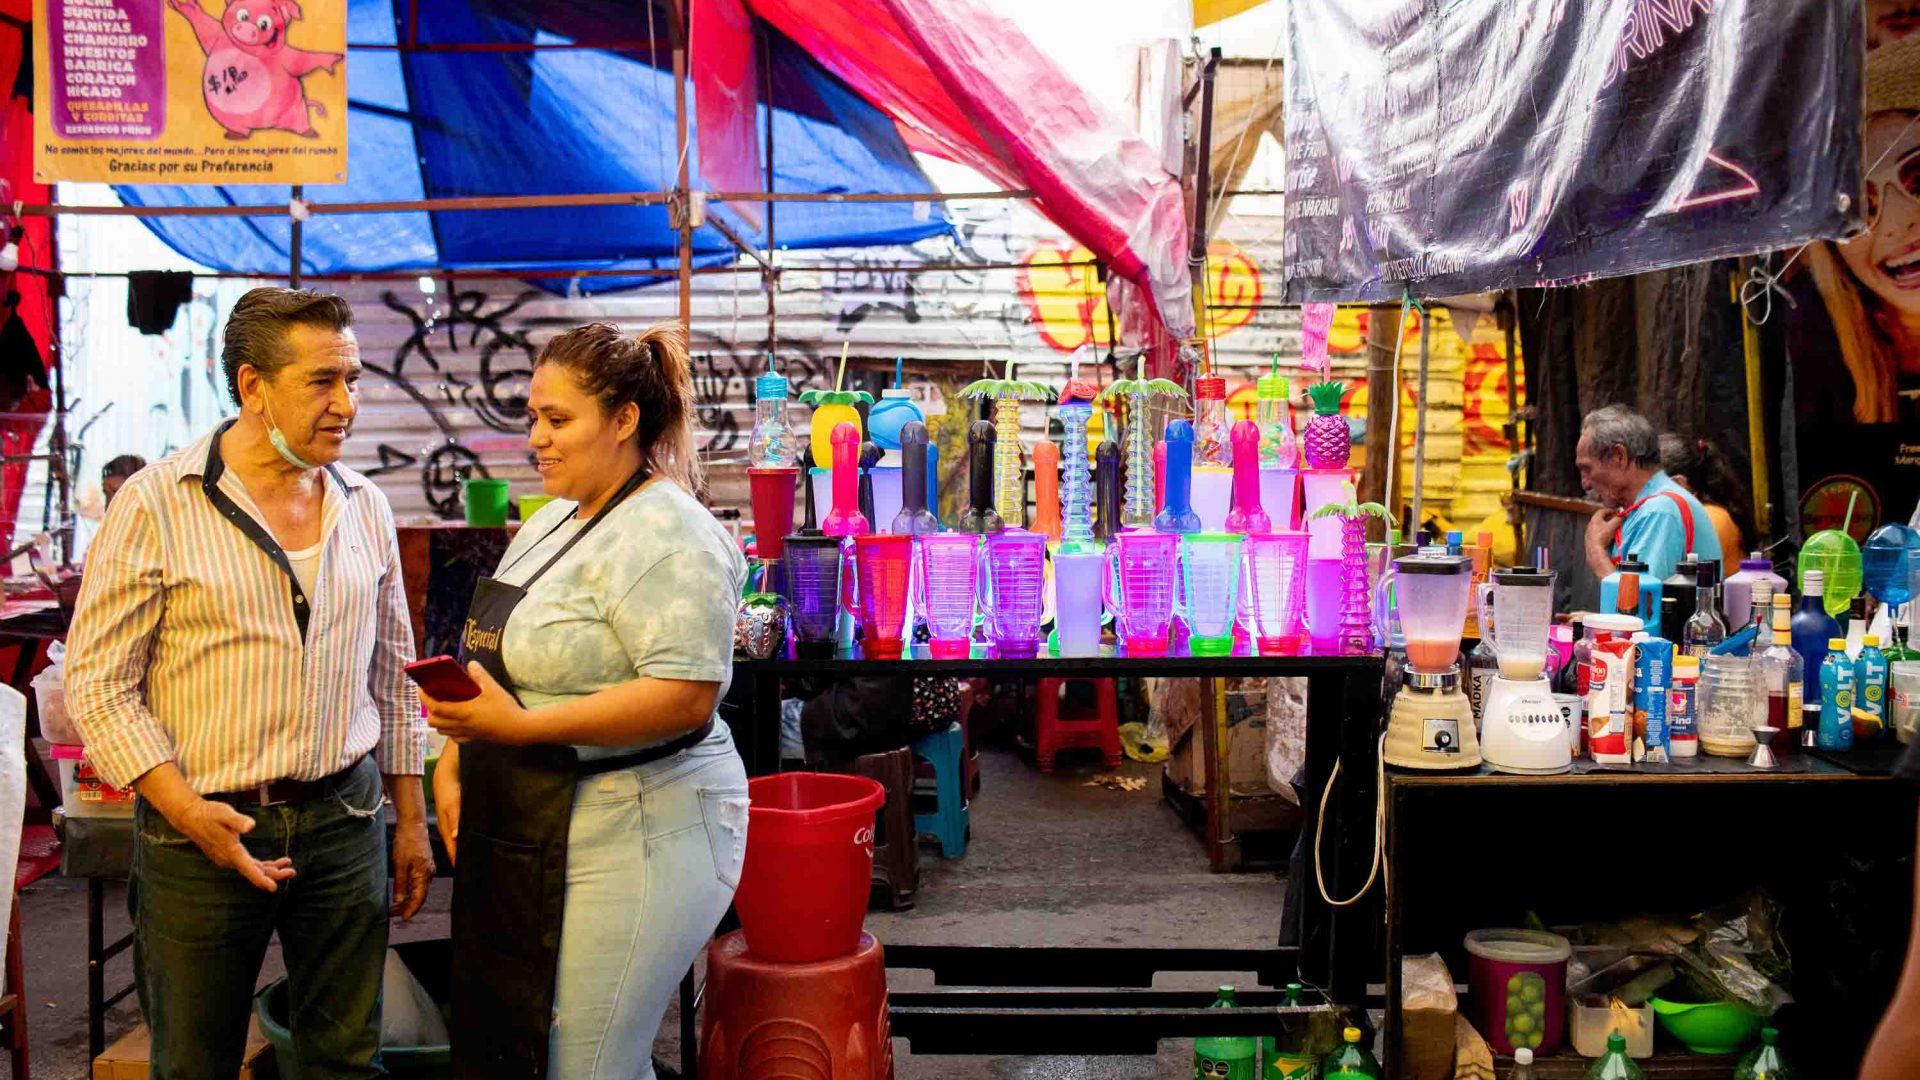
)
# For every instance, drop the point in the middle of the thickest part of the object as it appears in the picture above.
(1096, 1000)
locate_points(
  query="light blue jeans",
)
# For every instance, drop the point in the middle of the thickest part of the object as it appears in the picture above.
(653, 857)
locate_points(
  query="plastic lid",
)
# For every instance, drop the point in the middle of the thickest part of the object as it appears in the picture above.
(1782, 600)
(1811, 581)
(770, 386)
(1523, 575)
(1272, 386)
(1436, 563)
(1769, 1035)
(1616, 1041)
(1210, 388)
(1454, 536)
(1686, 665)
(1837, 644)
(1351, 1034)
(1756, 561)
(1523, 1056)
(1632, 562)
(1519, 946)
(1871, 640)
(1619, 624)
(897, 392)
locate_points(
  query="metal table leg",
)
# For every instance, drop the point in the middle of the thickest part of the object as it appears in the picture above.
(96, 968)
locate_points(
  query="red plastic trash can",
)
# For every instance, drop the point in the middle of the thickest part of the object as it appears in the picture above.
(824, 1021)
(803, 890)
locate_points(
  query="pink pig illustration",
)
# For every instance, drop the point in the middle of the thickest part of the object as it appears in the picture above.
(252, 76)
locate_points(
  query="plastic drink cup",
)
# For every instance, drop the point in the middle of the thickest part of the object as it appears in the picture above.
(771, 491)
(1276, 568)
(813, 588)
(1077, 601)
(950, 586)
(884, 565)
(486, 502)
(1141, 568)
(1210, 564)
(1016, 571)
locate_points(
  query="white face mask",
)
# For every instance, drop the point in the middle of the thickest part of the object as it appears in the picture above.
(279, 441)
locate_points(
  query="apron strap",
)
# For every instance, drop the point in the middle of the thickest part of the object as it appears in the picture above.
(1686, 519)
(632, 485)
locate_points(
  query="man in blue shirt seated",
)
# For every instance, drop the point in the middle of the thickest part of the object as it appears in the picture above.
(1656, 520)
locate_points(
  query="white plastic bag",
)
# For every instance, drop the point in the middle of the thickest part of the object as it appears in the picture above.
(50, 692)
(408, 1015)
(13, 789)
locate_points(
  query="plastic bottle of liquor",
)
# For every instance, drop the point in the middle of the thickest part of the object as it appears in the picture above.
(1705, 629)
(1784, 673)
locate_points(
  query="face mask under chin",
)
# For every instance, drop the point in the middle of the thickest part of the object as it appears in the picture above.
(279, 441)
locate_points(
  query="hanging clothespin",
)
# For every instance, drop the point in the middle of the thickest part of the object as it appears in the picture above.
(298, 209)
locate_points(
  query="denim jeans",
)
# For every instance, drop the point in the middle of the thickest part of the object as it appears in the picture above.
(200, 932)
(653, 855)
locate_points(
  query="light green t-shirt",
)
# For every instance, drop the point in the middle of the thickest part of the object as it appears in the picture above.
(650, 591)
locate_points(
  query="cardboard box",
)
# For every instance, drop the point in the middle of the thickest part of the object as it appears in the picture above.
(128, 1059)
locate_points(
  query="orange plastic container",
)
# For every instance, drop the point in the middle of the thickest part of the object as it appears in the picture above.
(803, 890)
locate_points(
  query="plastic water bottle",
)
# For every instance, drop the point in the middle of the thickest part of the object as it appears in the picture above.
(1870, 684)
(1836, 697)
(1522, 1064)
(1615, 1065)
(770, 445)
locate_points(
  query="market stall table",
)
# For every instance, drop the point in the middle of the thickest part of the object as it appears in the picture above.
(1474, 849)
(1098, 1015)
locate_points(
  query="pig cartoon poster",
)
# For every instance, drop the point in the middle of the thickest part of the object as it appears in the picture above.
(190, 91)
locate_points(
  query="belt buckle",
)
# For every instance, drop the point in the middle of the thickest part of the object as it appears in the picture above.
(265, 794)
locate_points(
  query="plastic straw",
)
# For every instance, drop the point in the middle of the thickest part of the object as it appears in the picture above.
(1847, 525)
(840, 376)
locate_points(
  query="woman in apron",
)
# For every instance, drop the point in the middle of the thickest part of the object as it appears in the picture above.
(594, 805)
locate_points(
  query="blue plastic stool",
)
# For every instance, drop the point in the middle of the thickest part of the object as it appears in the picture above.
(948, 821)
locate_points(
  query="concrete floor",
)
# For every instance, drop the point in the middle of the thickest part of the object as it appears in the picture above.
(1052, 861)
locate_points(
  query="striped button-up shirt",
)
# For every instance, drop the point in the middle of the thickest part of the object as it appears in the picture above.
(185, 645)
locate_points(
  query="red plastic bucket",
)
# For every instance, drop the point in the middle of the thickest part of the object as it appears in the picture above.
(803, 891)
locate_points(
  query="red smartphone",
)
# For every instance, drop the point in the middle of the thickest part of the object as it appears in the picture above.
(443, 678)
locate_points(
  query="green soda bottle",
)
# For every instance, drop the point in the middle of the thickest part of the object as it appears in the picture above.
(1765, 1062)
(1351, 1059)
(1292, 1055)
(1615, 1064)
(1228, 1057)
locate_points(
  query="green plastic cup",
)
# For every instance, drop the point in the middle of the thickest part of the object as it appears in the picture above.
(486, 501)
(533, 504)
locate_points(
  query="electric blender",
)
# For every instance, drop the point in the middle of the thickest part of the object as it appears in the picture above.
(1521, 729)
(1431, 723)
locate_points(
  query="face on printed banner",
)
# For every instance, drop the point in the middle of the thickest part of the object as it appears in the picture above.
(190, 91)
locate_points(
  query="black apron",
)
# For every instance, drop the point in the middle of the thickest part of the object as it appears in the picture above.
(511, 874)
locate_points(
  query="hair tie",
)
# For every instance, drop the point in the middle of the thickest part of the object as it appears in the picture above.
(1700, 445)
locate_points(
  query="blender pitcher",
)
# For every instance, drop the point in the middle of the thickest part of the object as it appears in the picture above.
(1210, 565)
(1432, 590)
(1142, 568)
(1522, 612)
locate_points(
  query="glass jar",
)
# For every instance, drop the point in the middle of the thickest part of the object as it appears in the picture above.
(1732, 702)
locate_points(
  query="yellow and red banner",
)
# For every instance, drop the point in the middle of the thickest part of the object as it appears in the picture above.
(190, 91)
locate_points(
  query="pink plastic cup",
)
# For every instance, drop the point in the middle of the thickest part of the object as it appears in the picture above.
(1276, 574)
(1142, 576)
(884, 564)
(950, 584)
(1017, 576)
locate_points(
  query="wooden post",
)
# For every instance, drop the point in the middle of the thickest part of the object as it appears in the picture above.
(1756, 422)
(1197, 248)
(1223, 849)
(682, 197)
(1383, 386)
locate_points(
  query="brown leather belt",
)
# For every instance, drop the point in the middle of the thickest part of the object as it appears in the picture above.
(283, 792)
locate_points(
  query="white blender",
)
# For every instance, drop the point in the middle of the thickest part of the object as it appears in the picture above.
(1521, 729)
(1431, 723)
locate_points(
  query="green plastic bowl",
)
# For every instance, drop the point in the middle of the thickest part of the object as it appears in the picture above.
(1720, 1027)
(430, 962)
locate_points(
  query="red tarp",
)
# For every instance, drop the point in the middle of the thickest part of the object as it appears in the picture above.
(20, 430)
(967, 85)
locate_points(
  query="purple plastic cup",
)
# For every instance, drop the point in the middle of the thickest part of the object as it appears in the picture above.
(1143, 575)
(950, 585)
(1017, 575)
(813, 588)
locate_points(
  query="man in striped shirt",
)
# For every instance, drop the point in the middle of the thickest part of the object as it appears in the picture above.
(236, 657)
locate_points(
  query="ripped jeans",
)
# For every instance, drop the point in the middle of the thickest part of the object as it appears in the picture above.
(653, 855)
(200, 932)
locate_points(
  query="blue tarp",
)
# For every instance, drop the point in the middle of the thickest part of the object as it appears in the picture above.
(558, 121)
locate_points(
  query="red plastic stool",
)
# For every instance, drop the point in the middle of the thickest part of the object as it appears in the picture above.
(820, 1021)
(1054, 733)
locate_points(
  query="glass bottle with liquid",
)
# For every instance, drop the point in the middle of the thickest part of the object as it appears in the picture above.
(1812, 625)
(1706, 629)
(1784, 673)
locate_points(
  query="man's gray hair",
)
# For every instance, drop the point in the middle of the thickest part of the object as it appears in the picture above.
(1617, 425)
(256, 334)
